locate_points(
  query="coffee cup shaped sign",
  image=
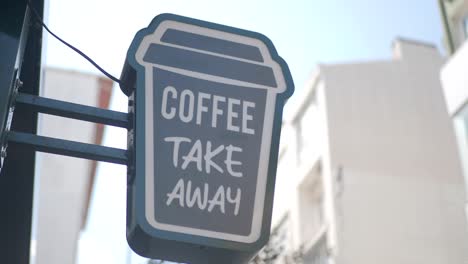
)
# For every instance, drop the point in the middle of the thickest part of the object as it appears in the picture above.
(207, 116)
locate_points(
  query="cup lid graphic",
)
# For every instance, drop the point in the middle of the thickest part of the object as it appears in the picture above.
(211, 54)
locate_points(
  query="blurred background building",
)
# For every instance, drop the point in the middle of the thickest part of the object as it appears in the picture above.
(64, 184)
(368, 169)
(454, 74)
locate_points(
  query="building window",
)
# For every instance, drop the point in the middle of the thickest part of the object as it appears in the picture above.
(461, 129)
(311, 217)
(308, 133)
(465, 27)
(318, 254)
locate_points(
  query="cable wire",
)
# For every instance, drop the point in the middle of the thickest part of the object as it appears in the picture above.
(39, 19)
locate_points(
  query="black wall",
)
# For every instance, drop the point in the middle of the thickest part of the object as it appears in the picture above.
(20, 57)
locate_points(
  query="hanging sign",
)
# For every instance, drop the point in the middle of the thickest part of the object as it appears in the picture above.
(207, 107)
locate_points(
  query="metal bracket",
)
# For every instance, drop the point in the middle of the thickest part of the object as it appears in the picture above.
(72, 110)
(67, 147)
(17, 84)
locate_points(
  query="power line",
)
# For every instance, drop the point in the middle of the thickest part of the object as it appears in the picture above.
(39, 19)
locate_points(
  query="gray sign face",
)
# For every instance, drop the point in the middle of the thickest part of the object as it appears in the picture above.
(208, 139)
(210, 104)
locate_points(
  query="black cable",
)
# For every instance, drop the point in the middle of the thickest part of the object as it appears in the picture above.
(39, 19)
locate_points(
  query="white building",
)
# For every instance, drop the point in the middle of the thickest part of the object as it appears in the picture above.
(64, 184)
(454, 73)
(368, 169)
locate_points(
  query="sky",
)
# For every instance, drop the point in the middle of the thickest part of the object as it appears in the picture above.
(305, 33)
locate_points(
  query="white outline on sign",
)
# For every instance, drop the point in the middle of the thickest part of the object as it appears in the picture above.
(262, 173)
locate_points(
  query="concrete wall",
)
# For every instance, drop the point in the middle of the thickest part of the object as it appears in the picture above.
(402, 193)
(63, 182)
(454, 79)
(457, 11)
(455, 83)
